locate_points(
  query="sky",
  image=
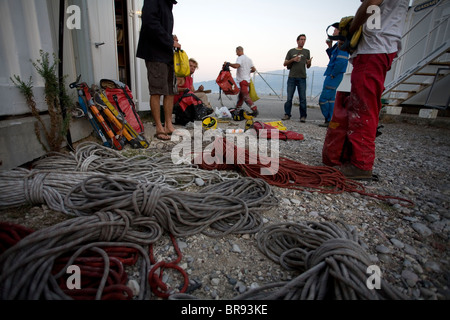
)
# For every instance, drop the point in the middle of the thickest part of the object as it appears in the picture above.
(209, 31)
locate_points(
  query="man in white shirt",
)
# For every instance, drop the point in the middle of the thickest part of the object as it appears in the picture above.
(244, 67)
(350, 140)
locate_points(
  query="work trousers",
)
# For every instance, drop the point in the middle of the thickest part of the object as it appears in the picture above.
(244, 95)
(328, 95)
(352, 131)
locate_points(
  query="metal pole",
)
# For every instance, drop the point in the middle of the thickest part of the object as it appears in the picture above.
(268, 85)
(62, 6)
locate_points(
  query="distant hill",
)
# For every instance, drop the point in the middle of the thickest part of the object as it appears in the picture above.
(274, 83)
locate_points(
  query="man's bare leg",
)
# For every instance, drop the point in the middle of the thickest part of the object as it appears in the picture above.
(156, 113)
(168, 109)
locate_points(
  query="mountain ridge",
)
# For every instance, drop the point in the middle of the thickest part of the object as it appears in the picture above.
(275, 82)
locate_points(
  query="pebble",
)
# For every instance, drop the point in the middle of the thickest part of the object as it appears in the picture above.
(199, 182)
(397, 243)
(382, 249)
(410, 277)
(422, 229)
(134, 286)
(236, 248)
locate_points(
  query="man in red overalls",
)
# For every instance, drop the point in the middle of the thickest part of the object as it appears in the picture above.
(350, 140)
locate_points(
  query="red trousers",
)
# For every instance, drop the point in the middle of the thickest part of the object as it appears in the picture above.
(352, 131)
(244, 95)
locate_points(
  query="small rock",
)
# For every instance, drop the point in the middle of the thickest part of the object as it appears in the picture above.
(410, 250)
(382, 249)
(236, 248)
(240, 287)
(422, 229)
(134, 286)
(410, 277)
(432, 266)
(397, 243)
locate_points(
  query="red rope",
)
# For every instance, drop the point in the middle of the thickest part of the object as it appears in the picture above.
(92, 268)
(10, 234)
(283, 172)
(158, 287)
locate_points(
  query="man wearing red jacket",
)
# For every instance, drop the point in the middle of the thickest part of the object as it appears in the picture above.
(350, 140)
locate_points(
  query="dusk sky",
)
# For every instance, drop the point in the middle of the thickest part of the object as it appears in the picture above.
(210, 31)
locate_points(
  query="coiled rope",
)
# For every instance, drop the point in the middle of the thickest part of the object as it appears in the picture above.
(229, 207)
(330, 257)
(331, 261)
(283, 172)
(27, 269)
(157, 168)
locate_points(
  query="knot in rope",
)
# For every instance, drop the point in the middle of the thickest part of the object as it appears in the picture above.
(114, 225)
(146, 198)
(34, 188)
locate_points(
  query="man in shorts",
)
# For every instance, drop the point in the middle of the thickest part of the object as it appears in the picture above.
(156, 45)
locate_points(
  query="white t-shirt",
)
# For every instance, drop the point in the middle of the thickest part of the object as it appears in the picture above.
(386, 39)
(243, 72)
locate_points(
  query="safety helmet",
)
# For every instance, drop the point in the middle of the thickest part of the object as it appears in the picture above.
(209, 123)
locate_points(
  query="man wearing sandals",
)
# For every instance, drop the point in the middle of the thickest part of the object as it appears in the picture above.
(156, 45)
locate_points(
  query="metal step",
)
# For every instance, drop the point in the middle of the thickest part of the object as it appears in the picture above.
(441, 69)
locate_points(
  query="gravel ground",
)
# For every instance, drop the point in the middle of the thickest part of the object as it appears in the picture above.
(410, 245)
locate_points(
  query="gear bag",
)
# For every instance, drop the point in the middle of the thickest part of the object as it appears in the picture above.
(120, 96)
(226, 82)
(190, 108)
(266, 131)
(349, 43)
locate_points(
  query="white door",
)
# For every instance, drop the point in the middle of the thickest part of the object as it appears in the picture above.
(137, 66)
(103, 41)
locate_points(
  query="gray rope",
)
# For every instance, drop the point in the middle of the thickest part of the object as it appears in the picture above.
(157, 168)
(229, 207)
(330, 258)
(26, 268)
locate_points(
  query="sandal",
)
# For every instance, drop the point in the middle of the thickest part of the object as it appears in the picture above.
(159, 135)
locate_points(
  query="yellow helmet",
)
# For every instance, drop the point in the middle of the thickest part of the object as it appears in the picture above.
(209, 123)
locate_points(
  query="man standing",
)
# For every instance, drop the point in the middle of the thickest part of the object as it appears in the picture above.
(297, 60)
(156, 45)
(245, 67)
(350, 140)
(333, 77)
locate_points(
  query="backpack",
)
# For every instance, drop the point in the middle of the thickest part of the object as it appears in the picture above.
(349, 44)
(120, 96)
(190, 108)
(271, 132)
(226, 82)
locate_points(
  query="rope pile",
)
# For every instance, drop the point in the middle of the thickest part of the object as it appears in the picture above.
(283, 172)
(158, 168)
(33, 268)
(35, 187)
(229, 207)
(331, 259)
